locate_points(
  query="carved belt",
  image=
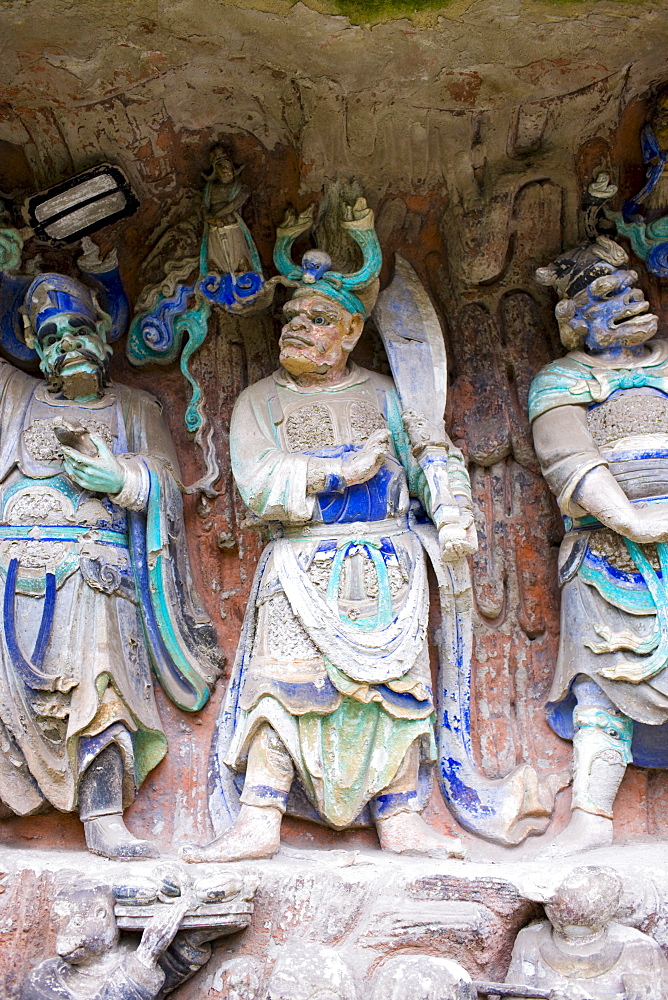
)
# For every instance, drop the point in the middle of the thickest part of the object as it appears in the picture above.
(353, 529)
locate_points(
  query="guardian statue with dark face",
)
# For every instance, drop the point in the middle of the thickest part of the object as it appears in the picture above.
(600, 425)
(95, 588)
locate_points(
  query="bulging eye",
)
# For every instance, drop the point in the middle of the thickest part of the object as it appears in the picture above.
(319, 321)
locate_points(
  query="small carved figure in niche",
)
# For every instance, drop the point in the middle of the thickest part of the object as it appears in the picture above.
(643, 217)
(600, 425)
(95, 581)
(331, 697)
(224, 196)
(93, 960)
(224, 271)
(581, 953)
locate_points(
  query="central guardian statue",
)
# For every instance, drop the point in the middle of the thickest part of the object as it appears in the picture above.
(330, 712)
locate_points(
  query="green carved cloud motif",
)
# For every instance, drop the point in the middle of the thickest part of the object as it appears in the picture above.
(11, 248)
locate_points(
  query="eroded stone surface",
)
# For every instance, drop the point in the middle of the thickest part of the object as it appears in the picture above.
(474, 136)
(358, 909)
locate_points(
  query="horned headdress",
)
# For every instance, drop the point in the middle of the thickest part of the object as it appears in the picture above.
(355, 292)
(570, 275)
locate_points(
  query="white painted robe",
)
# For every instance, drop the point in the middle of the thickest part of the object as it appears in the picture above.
(334, 650)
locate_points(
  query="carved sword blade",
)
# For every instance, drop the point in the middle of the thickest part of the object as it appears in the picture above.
(413, 339)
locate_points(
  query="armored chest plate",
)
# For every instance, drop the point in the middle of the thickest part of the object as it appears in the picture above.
(626, 414)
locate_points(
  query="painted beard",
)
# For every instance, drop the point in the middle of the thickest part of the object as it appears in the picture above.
(78, 385)
(300, 361)
(300, 364)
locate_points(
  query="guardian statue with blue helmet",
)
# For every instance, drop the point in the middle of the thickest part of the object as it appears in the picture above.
(95, 588)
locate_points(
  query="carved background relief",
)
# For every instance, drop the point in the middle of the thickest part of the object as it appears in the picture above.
(475, 167)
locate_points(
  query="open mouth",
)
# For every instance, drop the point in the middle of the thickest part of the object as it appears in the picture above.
(72, 359)
(634, 313)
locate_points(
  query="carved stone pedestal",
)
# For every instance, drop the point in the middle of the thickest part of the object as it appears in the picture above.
(340, 924)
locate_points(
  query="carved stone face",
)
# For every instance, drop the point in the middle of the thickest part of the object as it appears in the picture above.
(319, 335)
(223, 166)
(73, 355)
(314, 264)
(611, 313)
(86, 925)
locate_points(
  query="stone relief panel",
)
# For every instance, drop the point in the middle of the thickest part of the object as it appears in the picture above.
(510, 316)
(141, 936)
(475, 194)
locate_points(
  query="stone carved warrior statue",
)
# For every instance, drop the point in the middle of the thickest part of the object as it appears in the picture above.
(600, 425)
(94, 961)
(581, 952)
(329, 712)
(95, 580)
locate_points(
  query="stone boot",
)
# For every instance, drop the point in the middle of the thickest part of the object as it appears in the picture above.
(601, 752)
(101, 810)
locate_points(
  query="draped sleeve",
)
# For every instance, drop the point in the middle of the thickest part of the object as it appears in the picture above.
(181, 638)
(272, 482)
(566, 452)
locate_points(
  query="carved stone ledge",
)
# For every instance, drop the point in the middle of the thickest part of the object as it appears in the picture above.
(352, 911)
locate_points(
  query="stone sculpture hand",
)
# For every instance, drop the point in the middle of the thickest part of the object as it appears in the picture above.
(101, 473)
(161, 930)
(600, 494)
(422, 433)
(649, 523)
(365, 463)
(359, 467)
(458, 539)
